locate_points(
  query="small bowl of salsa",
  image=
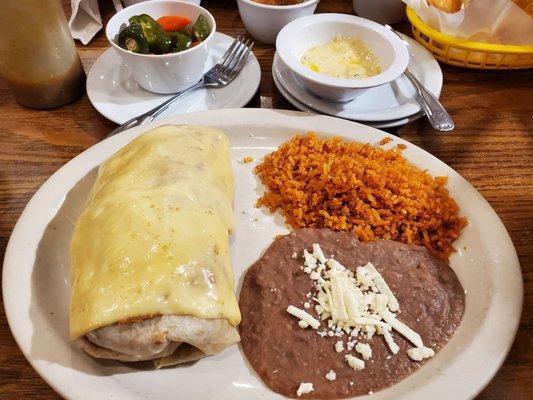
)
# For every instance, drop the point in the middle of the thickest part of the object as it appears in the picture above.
(265, 18)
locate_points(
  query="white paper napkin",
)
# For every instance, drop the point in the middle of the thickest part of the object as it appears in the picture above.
(85, 20)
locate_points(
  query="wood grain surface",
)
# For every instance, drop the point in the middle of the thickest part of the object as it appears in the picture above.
(492, 147)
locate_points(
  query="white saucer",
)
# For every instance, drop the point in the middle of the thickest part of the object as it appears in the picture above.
(115, 95)
(379, 125)
(392, 101)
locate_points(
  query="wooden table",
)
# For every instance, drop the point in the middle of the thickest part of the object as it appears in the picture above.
(492, 147)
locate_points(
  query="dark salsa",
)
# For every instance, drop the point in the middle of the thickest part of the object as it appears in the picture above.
(169, 34)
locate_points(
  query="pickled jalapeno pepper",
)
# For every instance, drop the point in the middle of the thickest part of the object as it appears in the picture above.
(201, 28)
(180, 42)
(132, 38)
(175, 33)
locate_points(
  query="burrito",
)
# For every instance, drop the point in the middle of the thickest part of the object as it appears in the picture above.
(151, 275)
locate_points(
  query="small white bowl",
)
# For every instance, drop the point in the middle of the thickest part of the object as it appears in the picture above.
(300, 35)
(264, 22)
(164, 73)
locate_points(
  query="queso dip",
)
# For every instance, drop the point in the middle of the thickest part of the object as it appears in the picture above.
(343, 57)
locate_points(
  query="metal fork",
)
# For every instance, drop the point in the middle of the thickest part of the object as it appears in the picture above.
(225, 71)
(437, 115)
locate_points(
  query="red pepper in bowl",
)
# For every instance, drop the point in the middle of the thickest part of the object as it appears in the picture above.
(173, 23)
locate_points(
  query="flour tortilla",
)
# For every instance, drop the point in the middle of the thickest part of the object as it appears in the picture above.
(167, 339)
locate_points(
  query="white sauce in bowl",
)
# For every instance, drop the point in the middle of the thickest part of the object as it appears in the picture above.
(343, 57)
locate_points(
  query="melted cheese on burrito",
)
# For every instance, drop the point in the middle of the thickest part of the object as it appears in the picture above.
(154, 237)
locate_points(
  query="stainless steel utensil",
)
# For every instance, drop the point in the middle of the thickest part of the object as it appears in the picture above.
(227, 68)
(437, 115)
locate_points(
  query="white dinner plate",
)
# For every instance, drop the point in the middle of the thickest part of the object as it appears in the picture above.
(378, 125)
(36, 275)
(115, 94)
(395, 100)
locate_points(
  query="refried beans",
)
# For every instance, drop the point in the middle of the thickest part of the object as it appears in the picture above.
(284, 355)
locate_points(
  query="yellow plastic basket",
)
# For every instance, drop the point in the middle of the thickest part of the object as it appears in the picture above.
(463, 53)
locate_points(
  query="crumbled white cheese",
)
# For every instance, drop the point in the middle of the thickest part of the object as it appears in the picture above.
(394, 348)
(314, 275)
(382, 286)
(331, 375)
(369, 321)
(325, 315)
(420, 353)
(294, 255)
(302, 315)
(351, 383)
(370, 331)
(370, 392)
(353, 304)
(310, 261)
(302, 324)
(352, 299)
(335, 265)
(364, 349)
(369, 298)
(380, 302)
(318, 254)
(403, 329)
(364, 278)
(305, 387)
(338, 307)
(354, 362)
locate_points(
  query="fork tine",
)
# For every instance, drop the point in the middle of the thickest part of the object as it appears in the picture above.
(224, 67)
(234, 48)
(238, 66)
(237, 57)
(226, 55)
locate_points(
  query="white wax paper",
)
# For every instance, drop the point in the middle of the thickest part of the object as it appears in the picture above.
(490, 21)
